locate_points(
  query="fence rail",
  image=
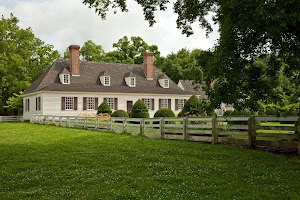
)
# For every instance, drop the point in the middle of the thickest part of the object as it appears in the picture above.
(278, 132)
(11, 118)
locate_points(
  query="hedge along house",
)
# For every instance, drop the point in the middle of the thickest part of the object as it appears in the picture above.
(74, 87)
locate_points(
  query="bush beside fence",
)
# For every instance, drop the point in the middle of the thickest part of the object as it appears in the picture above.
(248, 131)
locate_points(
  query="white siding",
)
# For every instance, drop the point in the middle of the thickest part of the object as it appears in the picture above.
(51, 103)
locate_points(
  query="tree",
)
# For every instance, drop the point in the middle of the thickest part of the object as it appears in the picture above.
(130, 51)
(139, 110)
(183, 65)
(23, 57)
(193, 107)
(104, 108)
(248, 28)
(92, 52)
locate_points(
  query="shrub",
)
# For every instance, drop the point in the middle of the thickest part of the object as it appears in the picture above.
(164, 112)
(193, 107)
(139, 110)
(120, 113)
(104, 108)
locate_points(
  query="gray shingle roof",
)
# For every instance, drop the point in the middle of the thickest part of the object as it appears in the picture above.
(88, 81)
(194, 88)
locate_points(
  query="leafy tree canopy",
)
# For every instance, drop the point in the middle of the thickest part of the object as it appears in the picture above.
(23, 57)
(248, 29)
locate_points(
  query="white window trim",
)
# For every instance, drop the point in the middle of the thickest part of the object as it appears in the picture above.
(106, 81)
(111, 102)
(71, 101)
(164, 101)
(132, 82)
(27, 104)
(38, 104)
(90, 103)
(180, 104)
(148, 102)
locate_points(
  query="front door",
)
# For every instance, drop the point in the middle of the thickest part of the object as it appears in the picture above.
(129, 106)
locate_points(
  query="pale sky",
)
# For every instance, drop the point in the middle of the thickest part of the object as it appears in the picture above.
(65, 22)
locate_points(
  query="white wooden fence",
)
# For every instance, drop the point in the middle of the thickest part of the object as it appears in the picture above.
(11, 118)
(248, 131)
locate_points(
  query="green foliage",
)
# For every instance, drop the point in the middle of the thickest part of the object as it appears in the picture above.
(272, 33)
(288, 110)
(183, 65)
(164, 112)
(120, 113)
(23, 57)
(193, 107)
(139, 110)
(15, 102)
(104, 108)
(92, 52)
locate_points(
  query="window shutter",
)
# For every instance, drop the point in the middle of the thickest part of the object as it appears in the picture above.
(75, 103)
(169, 103)
(185, 100)
(176, 104)
(159, 103)
(28, 105)
(84, 103)
(96, 103)
(105, 99)
(152, 104)
(36, 104)
(115, 103)
(63, 103)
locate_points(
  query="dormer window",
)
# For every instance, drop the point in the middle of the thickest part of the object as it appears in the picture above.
(132, 82)
(64, 77)
(130, 79)
(104, 78)
(166, 83)
(106, 81)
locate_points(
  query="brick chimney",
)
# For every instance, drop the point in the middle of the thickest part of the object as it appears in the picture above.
(148, 65)
(74, 59)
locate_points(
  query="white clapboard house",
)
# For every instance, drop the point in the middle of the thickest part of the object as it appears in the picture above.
(73, 87)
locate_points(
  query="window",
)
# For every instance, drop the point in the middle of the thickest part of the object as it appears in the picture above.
(69, 103)
(110, 102)
(149, 103)
(132, 82)
(164, 103)
(91, 103)
(106, 81)
(180, 103)
(26, 104)
(166, 83)
(66, 79)
(38, 103)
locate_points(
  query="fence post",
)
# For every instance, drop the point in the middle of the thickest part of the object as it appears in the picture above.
(298, 130)
(97, 123)
(214, 124)
(60, 121)
(85, 123)
(110, 127)
(162, 134)
(1, 119)
(124, 125)
(184, 123)
(252, 132)
(142, 126)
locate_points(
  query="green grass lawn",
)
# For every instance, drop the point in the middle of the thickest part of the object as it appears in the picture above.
(48, 162)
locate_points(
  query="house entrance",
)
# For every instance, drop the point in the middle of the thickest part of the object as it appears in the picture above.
(129, 106)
